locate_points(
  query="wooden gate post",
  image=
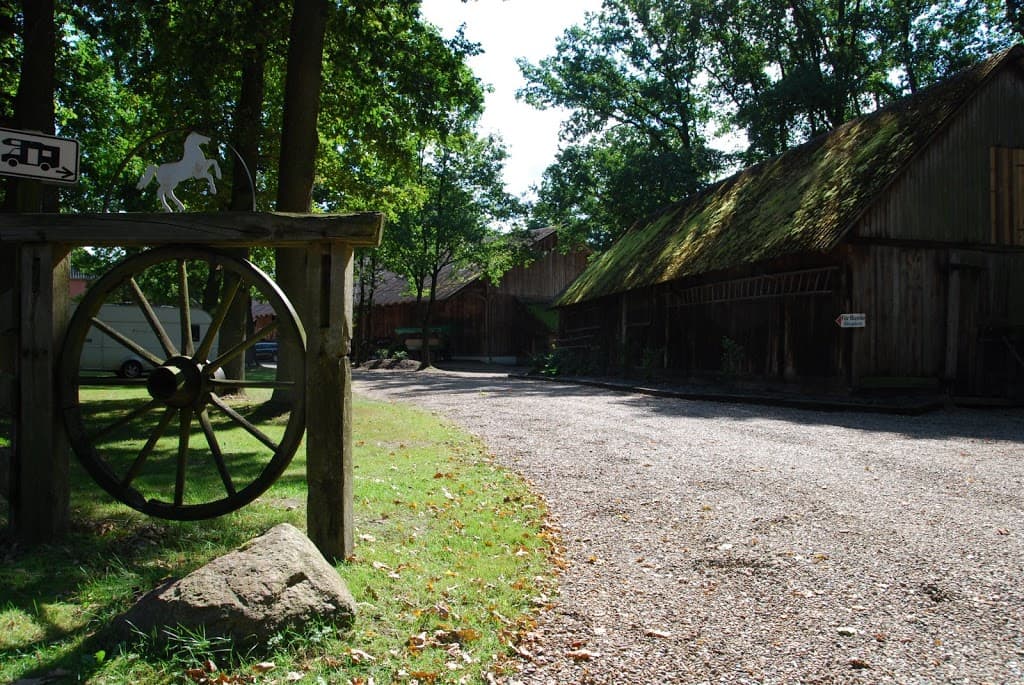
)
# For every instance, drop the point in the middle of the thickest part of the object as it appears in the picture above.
(40, 460)
(40, 242)
(329, 474)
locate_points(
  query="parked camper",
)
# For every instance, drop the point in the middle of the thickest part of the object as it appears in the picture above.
(102, 353)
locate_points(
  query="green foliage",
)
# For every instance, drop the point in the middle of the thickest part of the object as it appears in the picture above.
(463, 196)
(734, 357)
(648, 82)
(635, 135)
(568, 362)
(127, 73)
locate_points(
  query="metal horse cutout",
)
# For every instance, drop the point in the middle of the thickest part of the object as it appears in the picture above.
(193, 164)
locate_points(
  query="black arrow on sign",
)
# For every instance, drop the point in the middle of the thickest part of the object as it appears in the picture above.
(65, 172)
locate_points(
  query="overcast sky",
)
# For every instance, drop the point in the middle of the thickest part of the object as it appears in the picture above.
(507, 29)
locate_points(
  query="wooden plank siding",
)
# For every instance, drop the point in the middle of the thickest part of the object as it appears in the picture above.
(936, 259)
(547, 276)
(931, 251)
(945, 194)
(903, 291)
(486, 320)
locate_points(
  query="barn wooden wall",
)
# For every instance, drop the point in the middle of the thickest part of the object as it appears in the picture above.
(952, 314)
(547, 276)
(482, 322)
(492, 320)
(944, 196)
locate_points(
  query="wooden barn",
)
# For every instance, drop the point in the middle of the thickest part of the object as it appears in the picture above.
(909, 220)
(477, 320)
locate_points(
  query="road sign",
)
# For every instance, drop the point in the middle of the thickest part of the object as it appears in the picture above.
(852, 320)
(39, 156)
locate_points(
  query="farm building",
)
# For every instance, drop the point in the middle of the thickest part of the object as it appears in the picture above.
(475, 319)
(912, 216)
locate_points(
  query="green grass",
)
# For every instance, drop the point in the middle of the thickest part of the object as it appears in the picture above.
(451, 556)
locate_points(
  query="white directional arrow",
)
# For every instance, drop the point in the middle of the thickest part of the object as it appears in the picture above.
(35, 155)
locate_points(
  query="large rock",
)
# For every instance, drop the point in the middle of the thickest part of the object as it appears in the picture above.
(275, 581)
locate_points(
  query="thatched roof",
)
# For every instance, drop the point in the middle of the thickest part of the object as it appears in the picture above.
(803, 201)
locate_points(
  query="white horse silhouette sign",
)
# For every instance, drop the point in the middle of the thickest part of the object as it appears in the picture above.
(193, 164)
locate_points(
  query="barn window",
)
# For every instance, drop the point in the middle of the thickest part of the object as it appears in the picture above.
(1007, 195)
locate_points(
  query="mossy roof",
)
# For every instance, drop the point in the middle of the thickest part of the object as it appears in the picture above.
(804, 200)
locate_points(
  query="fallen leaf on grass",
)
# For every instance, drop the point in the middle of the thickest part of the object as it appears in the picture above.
(458, 636)
(359, 656)
(264, 666)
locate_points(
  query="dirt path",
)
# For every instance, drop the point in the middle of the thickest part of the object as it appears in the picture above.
(726, 543)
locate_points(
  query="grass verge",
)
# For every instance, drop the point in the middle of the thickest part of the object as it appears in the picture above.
(452, 554)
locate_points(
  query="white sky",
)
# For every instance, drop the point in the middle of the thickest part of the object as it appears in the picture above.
(507, 29)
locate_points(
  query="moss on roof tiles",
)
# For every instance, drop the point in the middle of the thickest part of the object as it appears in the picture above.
(805, 200)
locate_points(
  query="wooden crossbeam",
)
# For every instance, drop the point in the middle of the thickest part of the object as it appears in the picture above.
(219, 229)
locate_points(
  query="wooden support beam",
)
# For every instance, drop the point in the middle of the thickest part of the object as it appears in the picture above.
(220, 229)
(329, 470)
(952, 322)
(40, 479)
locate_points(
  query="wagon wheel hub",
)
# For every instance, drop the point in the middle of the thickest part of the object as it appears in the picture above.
(178, 383)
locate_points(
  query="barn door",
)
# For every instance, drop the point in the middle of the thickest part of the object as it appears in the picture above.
(968, 369)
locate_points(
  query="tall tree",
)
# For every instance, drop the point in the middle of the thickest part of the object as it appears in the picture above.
(464, 196)
(630, 75)
(649, 82)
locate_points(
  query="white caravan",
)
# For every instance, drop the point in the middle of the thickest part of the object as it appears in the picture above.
(100, 352)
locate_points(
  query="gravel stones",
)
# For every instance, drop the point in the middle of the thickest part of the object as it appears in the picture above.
(727, 543)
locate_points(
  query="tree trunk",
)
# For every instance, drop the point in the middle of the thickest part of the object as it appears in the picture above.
(299, 143)
(247, 130)
(428, 312)
(39, 497)
(33, 104)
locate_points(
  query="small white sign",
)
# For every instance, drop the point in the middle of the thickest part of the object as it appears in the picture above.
(852, 320)
(38, 156)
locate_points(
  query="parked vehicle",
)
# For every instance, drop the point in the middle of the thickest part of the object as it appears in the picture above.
(102, 353)
(266, 351)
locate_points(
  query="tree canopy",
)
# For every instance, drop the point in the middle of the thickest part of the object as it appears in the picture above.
(667, 96)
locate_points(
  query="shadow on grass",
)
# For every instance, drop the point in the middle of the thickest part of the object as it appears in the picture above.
(70, 592)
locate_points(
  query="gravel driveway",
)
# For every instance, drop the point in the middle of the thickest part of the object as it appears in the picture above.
(727, 543)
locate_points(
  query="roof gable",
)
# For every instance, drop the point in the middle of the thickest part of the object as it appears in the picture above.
(452, 279)
(804, 200)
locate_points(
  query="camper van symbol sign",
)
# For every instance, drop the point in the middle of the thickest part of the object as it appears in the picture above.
(38, 156)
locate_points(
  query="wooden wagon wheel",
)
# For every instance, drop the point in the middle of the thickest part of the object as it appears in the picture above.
(120, 426)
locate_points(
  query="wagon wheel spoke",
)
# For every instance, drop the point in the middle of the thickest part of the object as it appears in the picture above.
(185, 313)
(154, 322)
(218, 456)
(240, 383)
(124, 420)
(244, 423)
(231, 291)
(241, 347)
(127, 342)
(184, 432)
(106, 382)
(147, 449)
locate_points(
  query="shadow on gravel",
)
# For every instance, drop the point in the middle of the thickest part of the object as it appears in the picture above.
(1000, 424)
